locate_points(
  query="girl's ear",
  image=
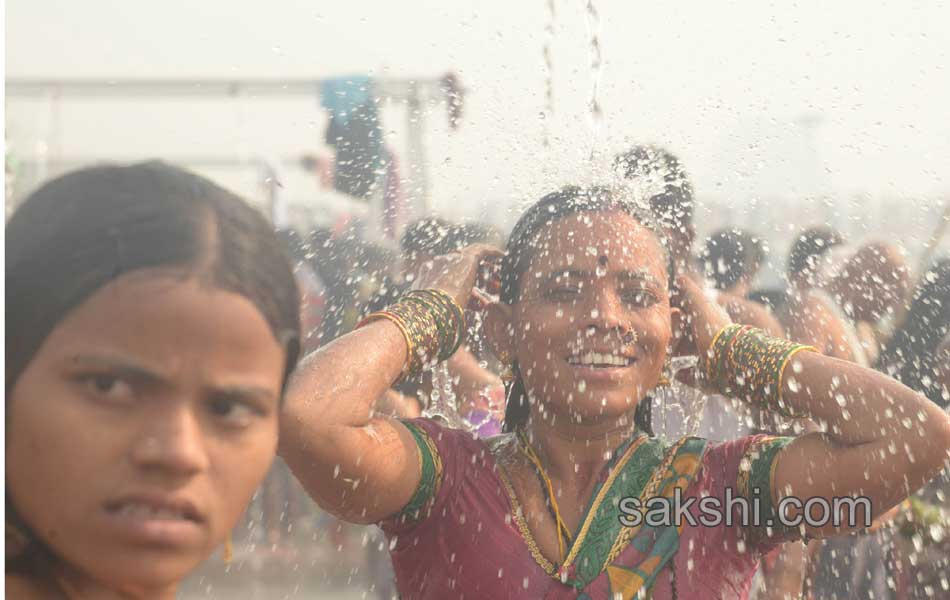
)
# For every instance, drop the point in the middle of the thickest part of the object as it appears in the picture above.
(498, 330)
(678, 324)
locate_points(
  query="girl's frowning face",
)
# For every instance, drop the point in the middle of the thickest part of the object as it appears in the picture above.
(593, 321)
(141, 428)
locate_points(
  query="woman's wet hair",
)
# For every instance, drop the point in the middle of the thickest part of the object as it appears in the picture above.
(672, 199)
(730, 256)
(81, 231)
(808, 247)
(432, 236)
(521, 247)
(911, 353)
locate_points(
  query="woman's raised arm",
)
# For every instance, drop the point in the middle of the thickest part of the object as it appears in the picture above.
(881, 440)
(884, 441)
(355, 464)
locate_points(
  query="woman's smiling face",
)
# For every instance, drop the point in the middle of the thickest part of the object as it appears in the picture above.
(593, 321)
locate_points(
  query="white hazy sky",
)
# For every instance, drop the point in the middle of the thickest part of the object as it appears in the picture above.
(720, 83)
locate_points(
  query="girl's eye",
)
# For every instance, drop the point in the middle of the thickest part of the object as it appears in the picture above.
(562, 294)
(640, 297)
(108, 387)
(234, 413)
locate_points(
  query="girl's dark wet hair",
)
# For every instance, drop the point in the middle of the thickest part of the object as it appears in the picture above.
(432, 236)
(81, 231)
(910, 356)
(730, 256)
(809, 246)
(519, 251)
(673, 204)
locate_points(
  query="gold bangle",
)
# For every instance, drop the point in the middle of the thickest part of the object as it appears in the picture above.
(710, 355)
(750, 364)
(715, 339)
(780, 384)
(431, 322)
(723, 352)
(407, 365)
(432, 319)
(460, 319)
(449, 317)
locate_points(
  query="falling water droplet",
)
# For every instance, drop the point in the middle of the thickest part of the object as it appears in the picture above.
(794, 385)
(937, 532)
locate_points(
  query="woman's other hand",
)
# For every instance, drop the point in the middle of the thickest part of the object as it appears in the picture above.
(455, 273)
(701, 319)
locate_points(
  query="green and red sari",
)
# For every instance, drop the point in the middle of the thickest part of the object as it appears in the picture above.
(463, 534)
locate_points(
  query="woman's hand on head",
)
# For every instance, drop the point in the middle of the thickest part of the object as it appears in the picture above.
(702, 317)
(455, 273)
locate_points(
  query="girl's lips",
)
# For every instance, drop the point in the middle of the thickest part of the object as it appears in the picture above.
(600, 374)
(150, 530)
(156, 520)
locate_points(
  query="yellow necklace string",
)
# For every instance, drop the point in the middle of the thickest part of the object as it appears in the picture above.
(562, 529)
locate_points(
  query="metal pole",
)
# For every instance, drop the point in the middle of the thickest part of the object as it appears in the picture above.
(412, 91)
(390, 89)
(419, 187)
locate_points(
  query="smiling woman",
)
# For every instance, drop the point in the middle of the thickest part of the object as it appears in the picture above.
(586, 320)
(152, 320)
(571, 274)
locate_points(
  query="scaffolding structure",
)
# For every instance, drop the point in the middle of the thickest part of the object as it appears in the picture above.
(415, 94)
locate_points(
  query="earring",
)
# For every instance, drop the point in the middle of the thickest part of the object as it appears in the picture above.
(664, 379)
(507, 374)
(630, 337)
(228, 551)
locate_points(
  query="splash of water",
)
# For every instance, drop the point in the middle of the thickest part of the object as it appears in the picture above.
(679, 408)
(548, 72)
(443, 402)
(592, 18)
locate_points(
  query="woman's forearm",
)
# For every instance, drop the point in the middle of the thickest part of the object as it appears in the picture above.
(353, 465)
(338, 385)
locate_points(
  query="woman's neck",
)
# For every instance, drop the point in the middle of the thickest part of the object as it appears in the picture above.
(574, 454)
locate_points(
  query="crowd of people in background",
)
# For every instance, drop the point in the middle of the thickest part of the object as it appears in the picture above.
(860, 301)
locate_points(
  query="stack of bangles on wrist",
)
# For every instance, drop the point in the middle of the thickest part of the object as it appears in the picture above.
(432, 323)
(748, 363)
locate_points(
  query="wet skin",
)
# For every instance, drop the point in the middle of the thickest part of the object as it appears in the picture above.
(594, 295)
(596, 284)
(139, 431)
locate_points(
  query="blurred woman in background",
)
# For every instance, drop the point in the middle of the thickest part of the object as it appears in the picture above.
(911, 355)
(731, 260)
